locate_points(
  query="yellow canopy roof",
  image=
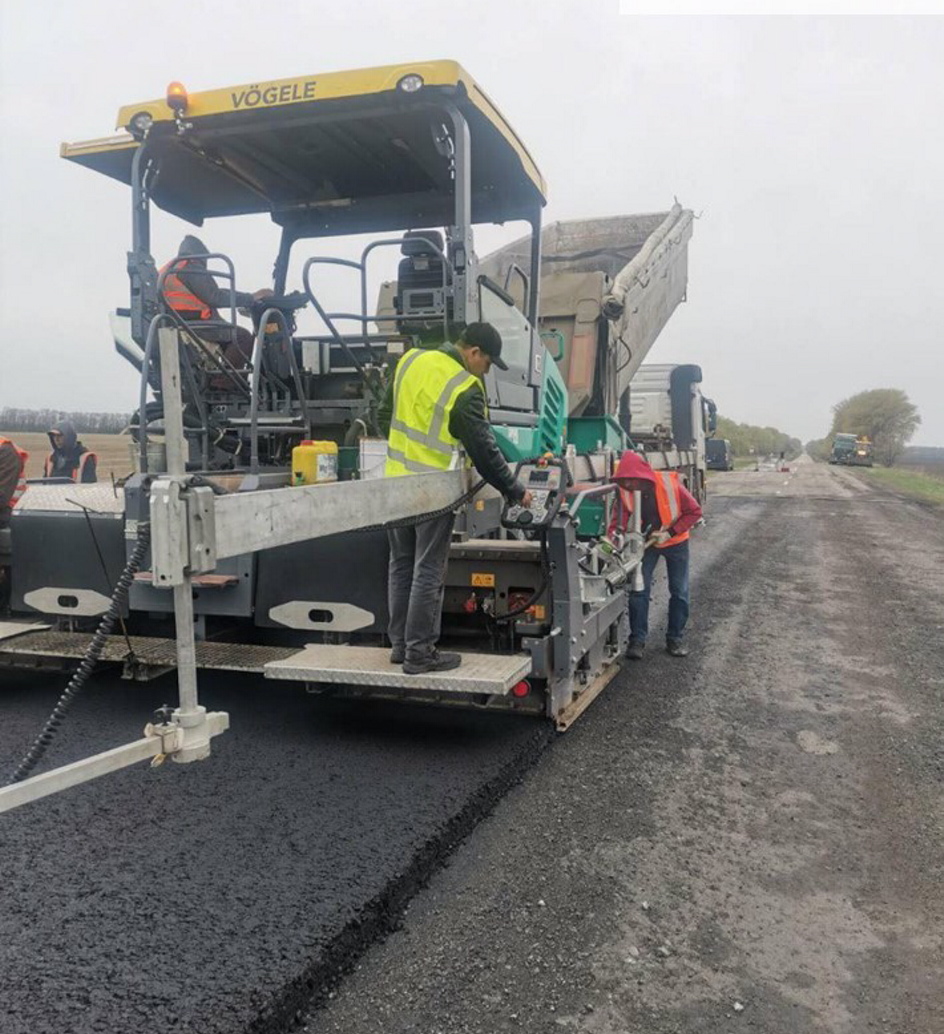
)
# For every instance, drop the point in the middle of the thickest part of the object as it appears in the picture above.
(342, 152)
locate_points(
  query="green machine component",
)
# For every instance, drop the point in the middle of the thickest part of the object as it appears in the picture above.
(588, 435)
(548, 433)
(593, 433)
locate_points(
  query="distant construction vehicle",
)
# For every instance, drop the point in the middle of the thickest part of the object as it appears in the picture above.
(851, 450)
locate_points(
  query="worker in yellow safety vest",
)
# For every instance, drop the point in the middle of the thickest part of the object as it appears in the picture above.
(668, 511)
(435, 403)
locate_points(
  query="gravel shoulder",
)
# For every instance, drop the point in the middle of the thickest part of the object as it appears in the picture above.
(750, 839)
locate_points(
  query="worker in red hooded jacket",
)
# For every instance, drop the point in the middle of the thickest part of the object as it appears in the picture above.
(668, 512)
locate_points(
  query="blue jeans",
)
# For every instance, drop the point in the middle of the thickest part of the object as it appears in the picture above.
(676, 564)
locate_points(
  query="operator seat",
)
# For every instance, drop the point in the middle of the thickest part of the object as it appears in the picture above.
(420, 277)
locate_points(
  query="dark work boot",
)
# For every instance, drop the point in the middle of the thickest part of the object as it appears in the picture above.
(433, 661)
(675, 648)
(634, 649)
(398, 654)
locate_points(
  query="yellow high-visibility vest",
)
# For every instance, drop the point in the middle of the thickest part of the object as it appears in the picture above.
(425, 388)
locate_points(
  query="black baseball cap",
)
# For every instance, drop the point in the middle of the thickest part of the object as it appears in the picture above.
(486, 337)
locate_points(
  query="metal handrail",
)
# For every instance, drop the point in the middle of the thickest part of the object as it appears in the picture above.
(364, 318)
(325, 316)
(398, 242)
(142, 396)
(525, 279)
(257, 352)
(589, 493)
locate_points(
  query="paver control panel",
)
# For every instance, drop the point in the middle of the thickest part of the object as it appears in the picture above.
(544, 482)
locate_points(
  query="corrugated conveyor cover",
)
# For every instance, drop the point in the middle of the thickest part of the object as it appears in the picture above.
(642, 263)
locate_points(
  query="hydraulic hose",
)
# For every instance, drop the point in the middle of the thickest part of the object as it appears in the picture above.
(34, 755)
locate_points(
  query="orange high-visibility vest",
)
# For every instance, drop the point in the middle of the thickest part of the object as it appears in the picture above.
(21, 477)
(77, 476)
(668, 501)
(178, 297)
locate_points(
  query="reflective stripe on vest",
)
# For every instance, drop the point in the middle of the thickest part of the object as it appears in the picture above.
(668, 501)
(176, 294)
(21, 477)
(425, 388)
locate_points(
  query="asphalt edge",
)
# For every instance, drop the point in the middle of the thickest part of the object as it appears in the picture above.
(292, 1005)
(295, 1004)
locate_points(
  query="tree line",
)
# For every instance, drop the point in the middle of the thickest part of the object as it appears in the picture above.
(751, 440)
(13, 418)
(886, 416)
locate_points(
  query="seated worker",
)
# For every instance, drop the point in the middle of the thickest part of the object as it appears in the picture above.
(193, 293)
(69, 457)
(436, 401)
(669, 511)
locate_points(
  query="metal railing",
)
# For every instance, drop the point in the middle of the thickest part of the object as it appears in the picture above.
(258, 353)
(363, 318)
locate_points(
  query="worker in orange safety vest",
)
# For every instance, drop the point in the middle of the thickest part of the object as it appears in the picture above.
(12, 486)
(12, 477)
(192, 292)
(667, 513)
(69, 457)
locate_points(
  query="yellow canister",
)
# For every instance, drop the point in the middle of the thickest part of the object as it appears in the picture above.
(314, 463)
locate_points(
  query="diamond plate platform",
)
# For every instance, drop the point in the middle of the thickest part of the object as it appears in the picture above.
(11, 629)
(101, 497)
(370, 666)
(149, 651)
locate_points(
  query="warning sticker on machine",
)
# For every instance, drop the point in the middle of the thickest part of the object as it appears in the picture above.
(483, 581)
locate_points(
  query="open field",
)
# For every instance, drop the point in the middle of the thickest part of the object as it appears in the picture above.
(112, 450)
(932, 470)
(912, 482)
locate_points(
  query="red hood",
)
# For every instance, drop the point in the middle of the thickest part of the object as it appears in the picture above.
(632, 465)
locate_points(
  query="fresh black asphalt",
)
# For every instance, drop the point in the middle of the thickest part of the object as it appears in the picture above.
(226, 895)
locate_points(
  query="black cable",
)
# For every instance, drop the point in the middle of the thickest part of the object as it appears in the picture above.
(409, 522)
(34, 755)
(510, 615)
(132, 658)
(629, 355)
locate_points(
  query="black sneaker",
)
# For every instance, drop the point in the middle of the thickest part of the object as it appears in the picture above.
(675, 648)
(398, 654)
(433, 661)
(634, 649)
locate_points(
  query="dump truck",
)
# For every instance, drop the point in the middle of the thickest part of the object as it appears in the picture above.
(229, 565)
(851, 450)
(672, 421)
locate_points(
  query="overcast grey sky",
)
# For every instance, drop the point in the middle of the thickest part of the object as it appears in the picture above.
(811, 148)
